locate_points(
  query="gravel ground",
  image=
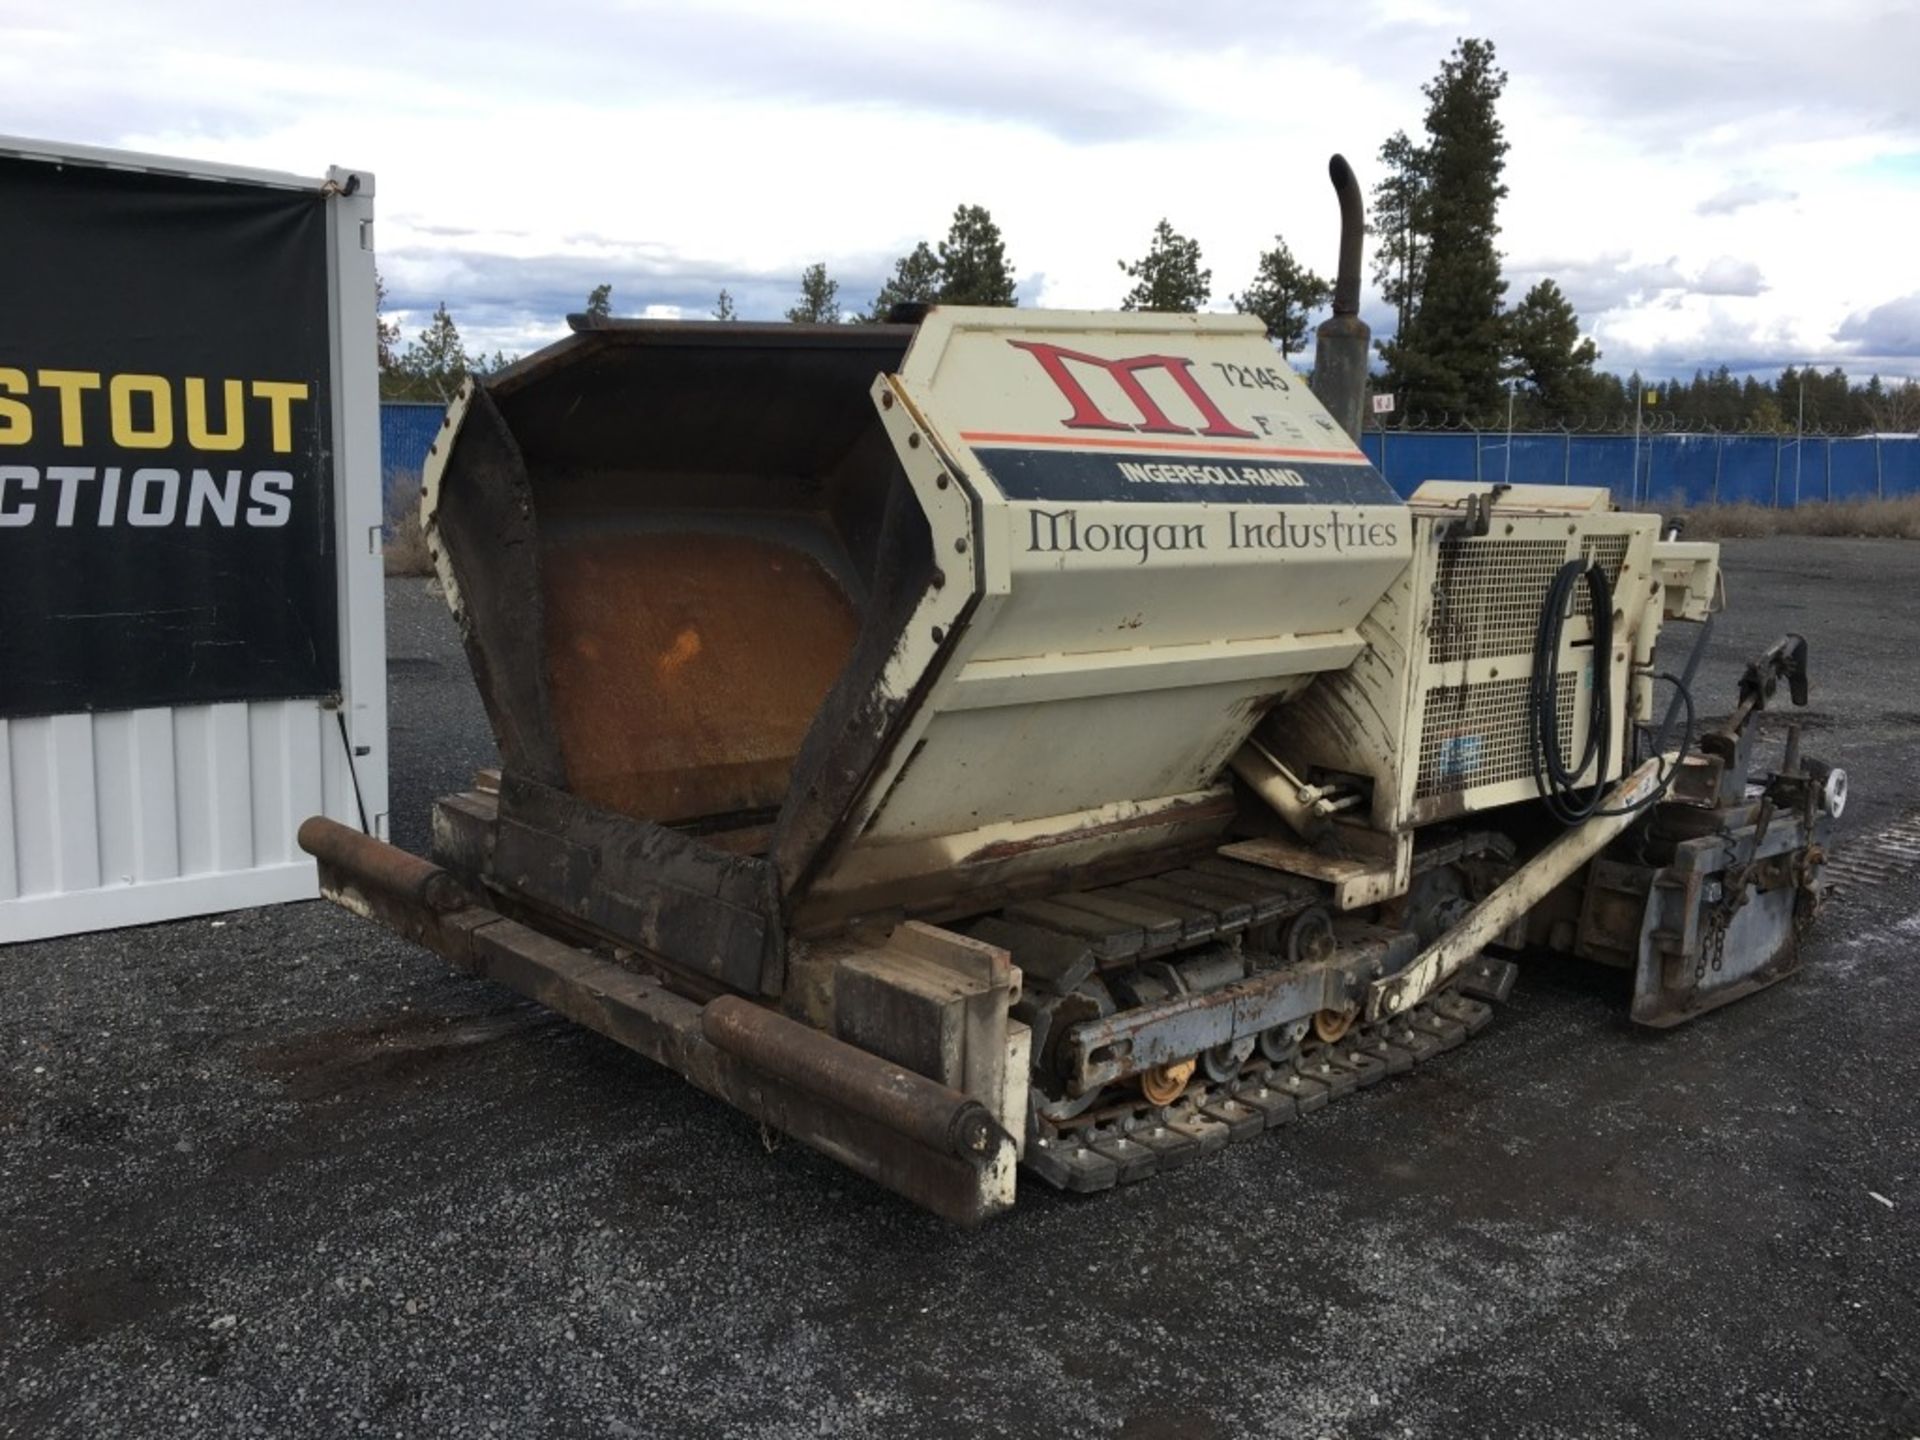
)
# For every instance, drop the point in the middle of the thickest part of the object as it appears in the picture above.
(279, 1174)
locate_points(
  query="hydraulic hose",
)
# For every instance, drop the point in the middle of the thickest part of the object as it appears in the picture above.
(1557, 780)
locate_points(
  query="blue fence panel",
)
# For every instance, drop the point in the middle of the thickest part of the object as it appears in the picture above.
(1853, 473)
(1899, 465)
(1681, 470)
(1747, 469)
(1672, 469)
(1411, 457)
(1601, 460)
(406, 430)
(1803, 476)
(1537, 459)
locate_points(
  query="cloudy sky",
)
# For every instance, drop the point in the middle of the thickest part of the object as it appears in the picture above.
(1709, 181)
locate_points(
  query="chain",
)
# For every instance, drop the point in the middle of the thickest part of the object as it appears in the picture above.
(1718, 915)
(1713, 944)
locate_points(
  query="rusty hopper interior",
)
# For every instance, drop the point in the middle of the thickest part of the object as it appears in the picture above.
(1041, 739)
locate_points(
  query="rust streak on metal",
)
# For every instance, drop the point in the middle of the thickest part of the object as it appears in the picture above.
(685, 667)
(1220, 808)
(382, 866)
(921, 1109)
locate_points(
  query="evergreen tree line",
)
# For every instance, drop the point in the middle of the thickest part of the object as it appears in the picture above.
(1459, 353)
(1458, 348)
(970, 267)
(434, 364)
(1798, 399)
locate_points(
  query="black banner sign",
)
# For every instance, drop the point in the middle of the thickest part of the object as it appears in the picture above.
(166, 524)
(1080, 475)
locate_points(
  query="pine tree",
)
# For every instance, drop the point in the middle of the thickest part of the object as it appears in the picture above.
(1868, 401)
(1550, 355)
(974, 269)
(915, 281)
(1836, 401)
(724, 309)
(386, 332)
(435, 365)
(1608, 404)
(1766, 416)
(1895, 409)
(1283, 294)
(1169, 277)
(1789, 396)
(600, 301)
(1723, 400)
(819, 298)
(1398, 225)
(1448, 358)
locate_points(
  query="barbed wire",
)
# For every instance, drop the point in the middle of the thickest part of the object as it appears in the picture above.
(1420, 422)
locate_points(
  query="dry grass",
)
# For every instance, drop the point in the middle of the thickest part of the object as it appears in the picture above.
(1893, 519)
(406, 548)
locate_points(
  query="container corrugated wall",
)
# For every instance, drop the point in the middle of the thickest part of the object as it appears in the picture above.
(129, 817)
(98, 813)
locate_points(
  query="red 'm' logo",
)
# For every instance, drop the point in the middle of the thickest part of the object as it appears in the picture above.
(1126, 374)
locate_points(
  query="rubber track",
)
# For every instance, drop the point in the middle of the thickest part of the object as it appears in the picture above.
(1120, 1144)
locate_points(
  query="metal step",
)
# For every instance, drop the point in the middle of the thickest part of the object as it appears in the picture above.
(1119, 925)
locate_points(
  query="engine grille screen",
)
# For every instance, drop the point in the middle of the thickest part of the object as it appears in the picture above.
(1611, 552)
(1487, 593)
(1487, 596)
(1474, 735)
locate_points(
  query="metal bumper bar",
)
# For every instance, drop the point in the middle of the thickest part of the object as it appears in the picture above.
(924, 1140)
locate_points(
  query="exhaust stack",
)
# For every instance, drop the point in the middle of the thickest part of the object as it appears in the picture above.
(1342, 343)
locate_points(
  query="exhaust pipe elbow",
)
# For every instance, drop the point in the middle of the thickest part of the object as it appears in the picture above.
(1353, 229)
(1343, 343)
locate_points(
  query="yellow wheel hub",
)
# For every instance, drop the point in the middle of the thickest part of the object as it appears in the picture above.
(1163, 1084)
(1332, 1025)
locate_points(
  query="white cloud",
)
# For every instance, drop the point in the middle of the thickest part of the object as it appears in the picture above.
(1693, 208)
(1724, 275)
(1742, 195)
(1888, 330)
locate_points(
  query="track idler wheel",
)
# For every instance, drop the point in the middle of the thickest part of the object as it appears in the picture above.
(1090, 1002)
(1281, 1043)
(1310, 936)
(1222, 1063)
(1164, 1084)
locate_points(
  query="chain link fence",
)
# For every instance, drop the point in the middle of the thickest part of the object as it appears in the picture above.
(1659, 468)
